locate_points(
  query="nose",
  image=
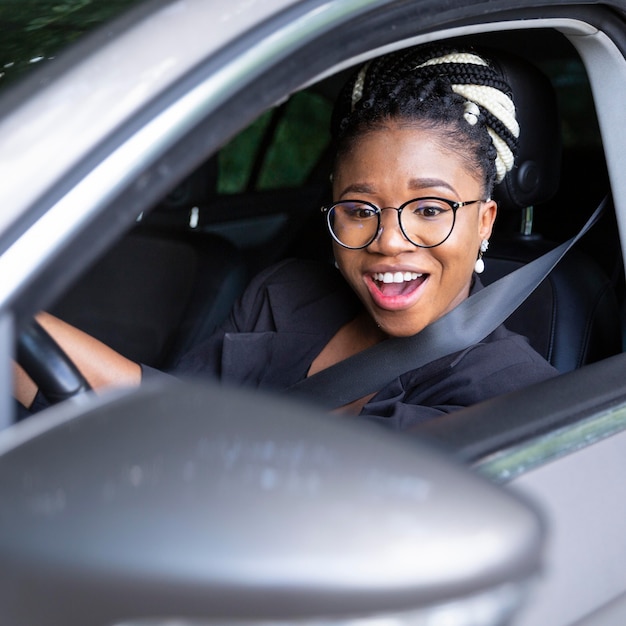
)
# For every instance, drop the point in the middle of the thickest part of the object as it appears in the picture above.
(390, 239)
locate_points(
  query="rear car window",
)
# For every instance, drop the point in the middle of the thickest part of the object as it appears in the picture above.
(280, 149)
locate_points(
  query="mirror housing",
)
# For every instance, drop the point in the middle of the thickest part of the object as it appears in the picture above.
(208, 504)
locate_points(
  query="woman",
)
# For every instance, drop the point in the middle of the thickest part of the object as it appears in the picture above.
(422, 136)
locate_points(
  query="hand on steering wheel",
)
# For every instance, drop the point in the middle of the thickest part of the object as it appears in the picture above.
(46, 363)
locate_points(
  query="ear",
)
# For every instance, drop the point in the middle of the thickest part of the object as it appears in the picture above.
(486, 218)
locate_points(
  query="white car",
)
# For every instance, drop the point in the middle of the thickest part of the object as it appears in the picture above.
(155, 165)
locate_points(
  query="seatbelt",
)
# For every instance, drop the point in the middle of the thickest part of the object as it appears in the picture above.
(467, 324)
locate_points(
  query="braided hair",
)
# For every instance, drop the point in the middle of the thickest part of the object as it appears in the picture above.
(453, 91)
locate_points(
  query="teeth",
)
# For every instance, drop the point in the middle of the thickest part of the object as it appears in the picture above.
(396, 277)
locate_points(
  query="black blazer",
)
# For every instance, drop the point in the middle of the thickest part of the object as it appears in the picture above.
(292, 310)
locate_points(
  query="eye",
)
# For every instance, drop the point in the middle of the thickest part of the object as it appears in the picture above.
(429, 208)
(357, 211)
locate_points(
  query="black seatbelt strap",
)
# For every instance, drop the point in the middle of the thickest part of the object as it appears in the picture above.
(467, 324)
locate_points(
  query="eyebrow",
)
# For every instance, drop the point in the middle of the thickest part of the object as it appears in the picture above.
(423, 183)
(414, 183)
(357, 188)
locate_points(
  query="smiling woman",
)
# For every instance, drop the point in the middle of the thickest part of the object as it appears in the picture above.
(428, 131)
(397, 163)
(421, 137)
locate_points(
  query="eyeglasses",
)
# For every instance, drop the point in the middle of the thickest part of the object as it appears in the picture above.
(425, 222)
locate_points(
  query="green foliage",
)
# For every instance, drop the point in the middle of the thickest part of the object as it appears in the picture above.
(300, 140)
(36, 30)
(236, 159)
(293, 149)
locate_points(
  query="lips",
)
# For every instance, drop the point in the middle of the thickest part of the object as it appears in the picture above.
(395, 289)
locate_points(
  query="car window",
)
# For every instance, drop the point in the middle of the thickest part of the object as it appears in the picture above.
(279, 150)
(582, 159)
(34, 32)
(579, 124)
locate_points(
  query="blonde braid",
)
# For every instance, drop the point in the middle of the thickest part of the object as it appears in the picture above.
(443, 87)
(491, 99)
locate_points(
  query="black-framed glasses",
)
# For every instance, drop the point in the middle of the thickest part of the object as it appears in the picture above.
(425, 222)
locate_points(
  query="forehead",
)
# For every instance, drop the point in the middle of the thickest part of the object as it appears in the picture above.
(400, 153)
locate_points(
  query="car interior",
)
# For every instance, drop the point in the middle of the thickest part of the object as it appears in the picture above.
(174, 277)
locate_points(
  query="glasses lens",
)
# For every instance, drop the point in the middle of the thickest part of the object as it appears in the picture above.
(427, 221)
(353, 224)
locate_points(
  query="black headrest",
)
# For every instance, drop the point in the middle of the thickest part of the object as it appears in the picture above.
(535, 176)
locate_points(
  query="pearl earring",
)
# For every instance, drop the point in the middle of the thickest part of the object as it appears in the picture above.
(479, 267)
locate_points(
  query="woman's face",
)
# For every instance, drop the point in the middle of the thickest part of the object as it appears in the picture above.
(388, 167)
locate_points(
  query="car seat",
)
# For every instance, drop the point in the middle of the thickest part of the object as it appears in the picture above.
(573, 317)
(162, 288)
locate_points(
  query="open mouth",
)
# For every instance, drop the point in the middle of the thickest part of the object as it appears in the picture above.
(397, 283)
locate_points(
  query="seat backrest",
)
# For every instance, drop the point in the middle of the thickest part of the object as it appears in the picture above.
(165, 286)
(154, 295)
(573, 316)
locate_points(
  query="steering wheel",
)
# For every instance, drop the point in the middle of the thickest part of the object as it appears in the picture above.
(47, 364)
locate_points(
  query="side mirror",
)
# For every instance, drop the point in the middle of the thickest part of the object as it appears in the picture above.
(194, 505)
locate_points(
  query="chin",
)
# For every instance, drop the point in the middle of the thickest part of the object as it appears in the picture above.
(397, 328)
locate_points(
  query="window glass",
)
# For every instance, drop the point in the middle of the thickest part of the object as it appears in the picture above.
(237, 158)
(578, 117)
(280, 149)
(300, 140)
